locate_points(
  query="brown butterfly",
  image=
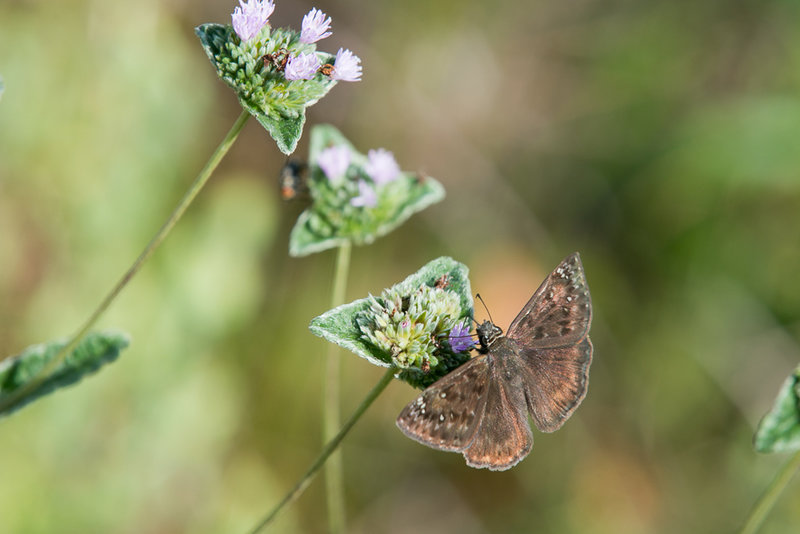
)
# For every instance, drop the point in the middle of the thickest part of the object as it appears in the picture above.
(541, 368)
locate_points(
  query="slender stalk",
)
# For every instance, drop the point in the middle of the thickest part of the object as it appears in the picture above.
(331, 408)
(327, 451)
(770, 496)
(157, 239)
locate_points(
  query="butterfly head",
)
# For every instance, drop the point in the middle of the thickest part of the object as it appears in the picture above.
(487, 333)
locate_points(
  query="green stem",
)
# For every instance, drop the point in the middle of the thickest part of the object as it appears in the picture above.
(187, 199)
(331, 408)
(327, 451)
(770, 496)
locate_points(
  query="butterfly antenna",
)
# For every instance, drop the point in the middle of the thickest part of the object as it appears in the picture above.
(478, 296)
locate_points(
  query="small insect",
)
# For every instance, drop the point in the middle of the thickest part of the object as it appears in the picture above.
(292, 182)
(277, 59)
(426, 367)
(442, 282)
(541, 368)
(326, 69)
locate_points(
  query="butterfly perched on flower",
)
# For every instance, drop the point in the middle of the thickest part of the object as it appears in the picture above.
(539, 368)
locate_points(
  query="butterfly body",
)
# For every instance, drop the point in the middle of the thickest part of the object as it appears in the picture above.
(540, 368)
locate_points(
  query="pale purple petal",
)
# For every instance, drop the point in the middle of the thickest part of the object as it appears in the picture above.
(302, 67)
(250, 16)
(460, 339)
(347, 67)
(366, 196)
(381, 166)
(315, 26)
(334, 161)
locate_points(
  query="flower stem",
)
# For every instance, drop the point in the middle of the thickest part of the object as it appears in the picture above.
(187, 199)
(770, 496)
(328, 450)
(331, 408)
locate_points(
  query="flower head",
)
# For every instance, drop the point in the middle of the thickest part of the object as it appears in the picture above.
(381, 166)
(459, 338)
(315, 26)
(407, 326)
(302, 67)
(249, 17)
(334, 162)
(366, 196)
(347, 67)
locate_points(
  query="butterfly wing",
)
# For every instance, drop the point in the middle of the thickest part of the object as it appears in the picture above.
(504, 435)
(551, 332)
(556, 381)
(559, 312)
(447, 413)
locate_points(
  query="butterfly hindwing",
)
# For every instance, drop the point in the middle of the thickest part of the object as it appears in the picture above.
(447, 413)
(559, 312)
(504, 436)
(555, 382)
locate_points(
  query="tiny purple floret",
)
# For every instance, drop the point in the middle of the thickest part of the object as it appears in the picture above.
(250, 16)
(381, 166)
(366, 196)
(460, 339)
(302, 67)
(346, 67)
(315, 26)
(334, 162)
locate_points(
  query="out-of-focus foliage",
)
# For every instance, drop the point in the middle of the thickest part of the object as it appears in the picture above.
(779, 430)
(25, 377)
(331, 220)
(656, 138)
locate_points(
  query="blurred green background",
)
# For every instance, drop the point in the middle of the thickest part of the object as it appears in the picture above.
(660, 139)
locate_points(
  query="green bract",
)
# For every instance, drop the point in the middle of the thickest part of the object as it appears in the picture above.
(408, 324)
(278, 104)
(779, 430)
(332, 220)
(94, 351)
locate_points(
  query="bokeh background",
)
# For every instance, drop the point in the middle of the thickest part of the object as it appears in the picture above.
(659, 139)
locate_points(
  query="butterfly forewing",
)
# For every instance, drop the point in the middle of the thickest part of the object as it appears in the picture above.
(556, 381)
(559, 312)
(447, 413)
(503, 437)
